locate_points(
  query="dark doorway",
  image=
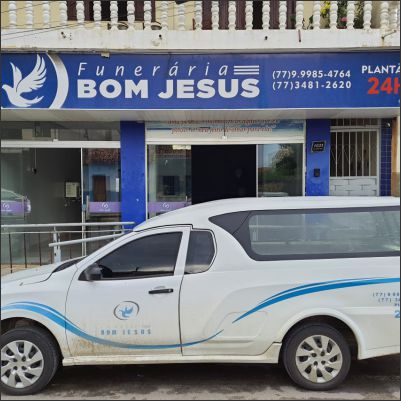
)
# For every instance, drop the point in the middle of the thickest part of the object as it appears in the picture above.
(99, 188)
(223, 171)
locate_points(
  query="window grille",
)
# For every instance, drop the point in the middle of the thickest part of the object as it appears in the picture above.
(353, 153)
(355, 122)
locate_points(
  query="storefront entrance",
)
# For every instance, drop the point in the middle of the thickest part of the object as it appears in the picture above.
(223, 171)
(57, 173)
(182, 175)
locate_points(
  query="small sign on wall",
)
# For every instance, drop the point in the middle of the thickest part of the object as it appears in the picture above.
(71, 190)
(318, 146)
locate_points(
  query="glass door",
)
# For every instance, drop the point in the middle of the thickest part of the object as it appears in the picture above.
(169, 178)
(101, 174)
(280, 169)
(101, 184)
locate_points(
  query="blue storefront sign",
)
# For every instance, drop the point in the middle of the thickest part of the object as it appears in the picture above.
(247, 81)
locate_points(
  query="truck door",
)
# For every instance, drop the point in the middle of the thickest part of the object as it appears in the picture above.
(132, 308)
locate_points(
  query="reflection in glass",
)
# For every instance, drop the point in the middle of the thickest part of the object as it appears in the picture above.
(280, 170)
(325, 233)
(34, 183)
(101, 183)
(169, 178)
(60, 131)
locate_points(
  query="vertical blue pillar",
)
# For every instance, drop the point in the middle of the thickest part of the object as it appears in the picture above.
(133, 172)
(317, 163)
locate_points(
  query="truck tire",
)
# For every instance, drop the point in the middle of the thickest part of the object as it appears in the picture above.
(29, 359)
(317, 357)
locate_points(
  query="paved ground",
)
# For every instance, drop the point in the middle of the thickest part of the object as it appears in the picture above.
(374, 379)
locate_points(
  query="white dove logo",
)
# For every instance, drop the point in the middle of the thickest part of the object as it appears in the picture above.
(31, 82)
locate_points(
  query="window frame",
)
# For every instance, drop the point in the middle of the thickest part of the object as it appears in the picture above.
(113, 246)
(242, 234)
(214, 250)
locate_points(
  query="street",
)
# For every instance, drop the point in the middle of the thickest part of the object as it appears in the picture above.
(374, 379)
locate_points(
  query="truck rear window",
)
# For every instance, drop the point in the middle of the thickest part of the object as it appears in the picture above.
(320, 233)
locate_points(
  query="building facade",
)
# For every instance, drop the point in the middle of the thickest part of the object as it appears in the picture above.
(125, 110)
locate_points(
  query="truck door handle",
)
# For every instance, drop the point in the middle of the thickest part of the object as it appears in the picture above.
(161, 291)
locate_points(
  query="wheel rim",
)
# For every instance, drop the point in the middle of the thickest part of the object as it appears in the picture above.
(22, 364)
(319, 359)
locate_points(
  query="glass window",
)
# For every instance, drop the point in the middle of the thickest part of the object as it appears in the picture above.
(280, 169)
(44, 185)
(60, 131)
(200, 252)
(169, 178)
(39, 186)
(154, 255)
(34, 183)
(101, 173)
(101, 182)
(323, 233)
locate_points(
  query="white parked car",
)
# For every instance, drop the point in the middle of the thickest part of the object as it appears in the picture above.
(311, 282)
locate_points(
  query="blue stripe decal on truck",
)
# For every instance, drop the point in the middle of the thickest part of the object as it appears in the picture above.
(45, 307)
(60, 320)
(317, 288)
(64, 322)
(318, 284)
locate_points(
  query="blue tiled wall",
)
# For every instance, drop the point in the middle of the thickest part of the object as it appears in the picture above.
(385, 157)
(317, 130)
(133, 192)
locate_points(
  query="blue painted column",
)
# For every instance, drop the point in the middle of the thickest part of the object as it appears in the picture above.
(317, 130)
(133, 172)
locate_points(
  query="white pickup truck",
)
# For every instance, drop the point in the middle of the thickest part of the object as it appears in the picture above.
(312, 282)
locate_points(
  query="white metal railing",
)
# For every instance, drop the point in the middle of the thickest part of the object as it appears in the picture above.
(168, 15)
(24, 245)
(59, 244)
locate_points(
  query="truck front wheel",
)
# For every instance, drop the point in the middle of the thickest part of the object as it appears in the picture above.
(29, 360)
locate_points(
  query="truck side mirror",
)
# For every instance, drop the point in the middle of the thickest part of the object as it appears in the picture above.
(91, 273)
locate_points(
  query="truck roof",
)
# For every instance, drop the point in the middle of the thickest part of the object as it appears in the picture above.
(196, 214)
